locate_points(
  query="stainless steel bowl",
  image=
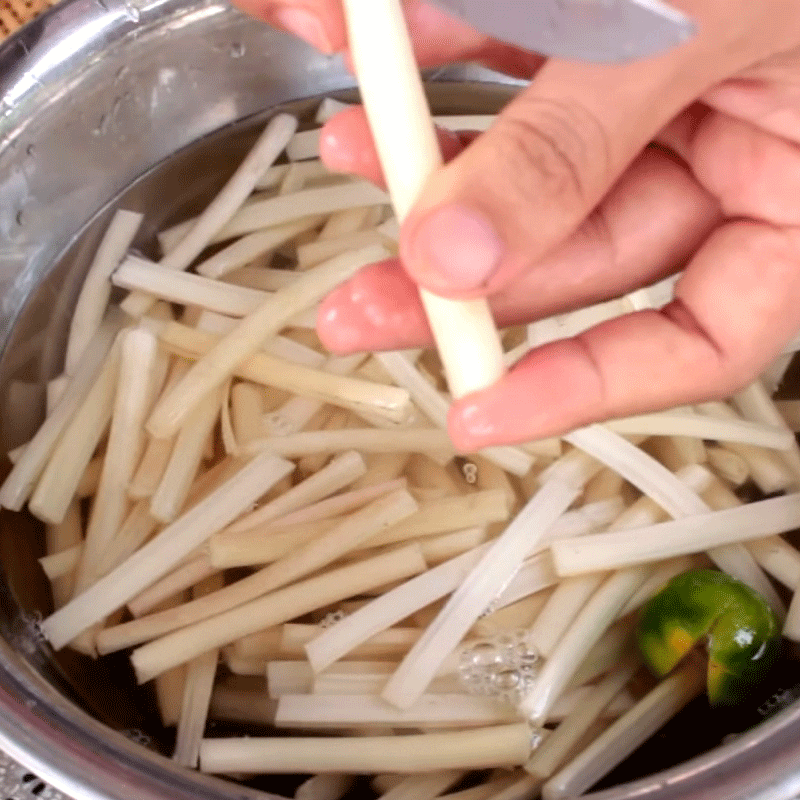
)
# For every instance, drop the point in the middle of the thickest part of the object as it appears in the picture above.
(154, 101)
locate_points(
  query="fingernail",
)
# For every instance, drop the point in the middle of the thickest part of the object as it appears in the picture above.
(458, 248)
(304, 25)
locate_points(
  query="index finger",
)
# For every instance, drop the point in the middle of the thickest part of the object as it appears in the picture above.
(735, 307)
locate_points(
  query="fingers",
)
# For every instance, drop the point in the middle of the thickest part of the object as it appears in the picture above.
(318, 22)
(736, 305)
(648, 226)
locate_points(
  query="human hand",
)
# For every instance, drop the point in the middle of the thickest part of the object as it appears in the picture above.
(565, 202)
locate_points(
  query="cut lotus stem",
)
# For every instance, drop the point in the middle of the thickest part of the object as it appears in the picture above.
(488, 578)
(275, 608)
(289, 677)
(556, 748)
(96, 290)
(59, 481)
(777, 557)
(349, 682)
(677, 423)
(169, 695)
(237, 705)
(303, 560)
(626, 734)
(590, 624)
(21, 480)
(246, 339)
(394, 98)
(191, 573)
(257, 244)
(164, 552)
(388, 644)
(430, 711)
(434, 406)
(341, 472)
(136, 380)
(329, 786)
(730, 466)
(662, 575)
(312, 170)
(137, 528)
(64, 543)
(677, 537)
(366, 440)
(197, 690)
(261, 278)
(535, 574)
(224, 206)
(187, 454)
(483, 748)
(247, 411)
(517, 615)
(313, 253)
(425, 786)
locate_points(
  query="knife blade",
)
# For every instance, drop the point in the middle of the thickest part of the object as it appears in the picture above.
(599, 31)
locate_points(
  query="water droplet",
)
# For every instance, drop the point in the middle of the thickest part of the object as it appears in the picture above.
(237, 50)
(133, 13)
(20, 218)
(30, 150)
(123, 71)
(102, 4)
(102, 126)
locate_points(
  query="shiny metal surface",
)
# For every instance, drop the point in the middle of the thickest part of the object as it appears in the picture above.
(164, 96)
(602, 31)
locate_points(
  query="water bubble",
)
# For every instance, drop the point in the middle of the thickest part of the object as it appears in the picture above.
(329, 620)
(133, 13)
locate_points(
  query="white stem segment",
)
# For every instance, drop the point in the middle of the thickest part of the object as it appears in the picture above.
(248, 336)
(502, 746)
(405, 137)
(164, 552)
(487, 580)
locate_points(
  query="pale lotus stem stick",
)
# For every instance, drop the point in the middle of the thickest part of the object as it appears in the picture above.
(438, 549)
(96, 289)
(371, 683)
(536, 573)
(341, 472)
(309, 255)
(64, 538)
(275, 608)
(164, 552)
(327, 786)
(434, 406)
(382, 467)
(338, 420)
(247, 411)
(584, 520)
(242, 705)
(61, 562)
(147, 277)
(137, 528)
(320, 711)
(482, 748)
(263, 278)
(293, 181)
(448, 514)
(289, 677)
(556, 748)
(405, 138)
(485, 582)
(365, 440)
(323, 200)
(59, 481)
(55, 388)
(258, 547)
(491, 476)
(665, 450)
(312, 170)
(425, 473)
(169, 695)
(245, 667)
(16, 454)
(337, 505)
(298, 563)
(257, 244)
(790, 413)
(574, 698)
(191, 573)
(588, 627)
(777, 557)
(187, 454)
(199, 685)
(791, 627)
(626, 734)
(384, 782)
(224, 206)
(90, 480)
(517, 615)
(677, 537)
(23, 476)
(137, 367)
(663, 573)
(345, 222)
(730, 466)
(425, 786)
(263, 644)
(683, 424)
(298, 412)
(766, 468)
(387, 644)
(227, 435)
(755, 404)
(575, 468)
(327, 110)
(617, 642)
(526, 788)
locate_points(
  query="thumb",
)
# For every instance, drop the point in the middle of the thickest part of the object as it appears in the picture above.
(532, 179)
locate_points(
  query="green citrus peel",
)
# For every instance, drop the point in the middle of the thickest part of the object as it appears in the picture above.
(740, 630)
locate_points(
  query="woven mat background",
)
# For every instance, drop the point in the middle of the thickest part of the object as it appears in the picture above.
(15, 13)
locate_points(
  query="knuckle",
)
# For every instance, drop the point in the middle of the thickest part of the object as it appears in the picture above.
(551, 148)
